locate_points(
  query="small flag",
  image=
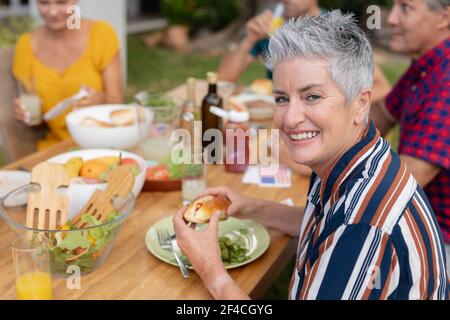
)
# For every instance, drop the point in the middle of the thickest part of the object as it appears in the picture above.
(275, 176)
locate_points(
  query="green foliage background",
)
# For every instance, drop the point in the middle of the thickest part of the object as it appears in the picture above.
(356, 6)
(200, 13)
(12, 27)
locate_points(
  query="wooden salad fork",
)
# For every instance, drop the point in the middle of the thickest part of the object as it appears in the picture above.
(120, 183)
(47, 206)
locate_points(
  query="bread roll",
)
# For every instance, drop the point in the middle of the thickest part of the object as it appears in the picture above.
(92, 123)
(262, 86)
(123, 117)
(236, 105)
(202, 209)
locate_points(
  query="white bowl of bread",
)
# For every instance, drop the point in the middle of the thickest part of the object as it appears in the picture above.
(260, 106)
(109, 126)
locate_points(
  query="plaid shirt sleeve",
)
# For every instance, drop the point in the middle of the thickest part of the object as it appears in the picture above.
(394, 99)
(367, 271)
(426, 134)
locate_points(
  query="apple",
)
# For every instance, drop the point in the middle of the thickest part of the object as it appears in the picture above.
(133, 164)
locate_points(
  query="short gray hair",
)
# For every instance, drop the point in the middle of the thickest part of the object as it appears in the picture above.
(333, 36)
(436, 5)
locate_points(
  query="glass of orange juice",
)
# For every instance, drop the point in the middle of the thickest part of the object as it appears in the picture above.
(32, 265)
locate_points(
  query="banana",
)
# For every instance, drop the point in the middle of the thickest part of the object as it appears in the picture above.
(73, 166)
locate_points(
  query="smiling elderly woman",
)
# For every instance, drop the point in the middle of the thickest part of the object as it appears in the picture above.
(367, 230)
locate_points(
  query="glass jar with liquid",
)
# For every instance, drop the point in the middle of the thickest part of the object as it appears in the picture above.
(237, 141)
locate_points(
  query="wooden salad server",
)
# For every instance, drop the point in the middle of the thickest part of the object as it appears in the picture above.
(120, 183)
(48, 206)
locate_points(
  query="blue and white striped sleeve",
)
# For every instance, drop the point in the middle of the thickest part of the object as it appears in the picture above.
(354, 262)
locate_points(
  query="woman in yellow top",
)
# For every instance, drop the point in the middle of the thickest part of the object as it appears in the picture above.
(55, 62)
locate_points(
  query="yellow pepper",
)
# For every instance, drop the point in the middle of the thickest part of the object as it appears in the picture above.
(91, 240)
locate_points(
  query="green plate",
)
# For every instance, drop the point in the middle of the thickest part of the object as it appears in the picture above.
(261, 239)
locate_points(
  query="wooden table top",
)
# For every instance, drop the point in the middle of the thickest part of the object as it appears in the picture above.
(132, 272)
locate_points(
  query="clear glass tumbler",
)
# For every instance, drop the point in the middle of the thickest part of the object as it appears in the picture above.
(194, 181)
(32, 266)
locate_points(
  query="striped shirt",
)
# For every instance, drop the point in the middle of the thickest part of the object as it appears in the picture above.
(368, 232)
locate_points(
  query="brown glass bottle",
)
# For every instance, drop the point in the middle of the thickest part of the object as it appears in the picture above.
(209, 120)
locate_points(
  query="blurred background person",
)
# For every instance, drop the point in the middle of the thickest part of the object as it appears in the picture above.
(55, 62)
(256, 41)
(420, 101)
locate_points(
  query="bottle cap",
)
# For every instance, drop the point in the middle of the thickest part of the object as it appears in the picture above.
(212, 77)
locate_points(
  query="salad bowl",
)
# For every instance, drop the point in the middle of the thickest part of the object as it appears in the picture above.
(85, 248)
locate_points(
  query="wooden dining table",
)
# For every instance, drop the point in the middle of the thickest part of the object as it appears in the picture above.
(132, 272)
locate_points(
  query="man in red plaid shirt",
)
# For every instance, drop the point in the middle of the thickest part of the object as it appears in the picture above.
(420, 101)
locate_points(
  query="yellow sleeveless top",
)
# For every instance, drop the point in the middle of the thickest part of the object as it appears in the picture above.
(52, 86)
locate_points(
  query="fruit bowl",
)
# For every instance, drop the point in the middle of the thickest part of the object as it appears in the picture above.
(114, 137)
(85, 248)
(79, 193)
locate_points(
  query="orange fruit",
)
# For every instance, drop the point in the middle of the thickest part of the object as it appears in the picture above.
(93, 169)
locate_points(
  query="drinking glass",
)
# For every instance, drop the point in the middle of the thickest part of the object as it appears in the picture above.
(194, 181)
(156, 143)
(32, 267)
(32, 104)
(225, 89)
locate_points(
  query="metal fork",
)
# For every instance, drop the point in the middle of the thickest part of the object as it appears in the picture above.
(166, 242)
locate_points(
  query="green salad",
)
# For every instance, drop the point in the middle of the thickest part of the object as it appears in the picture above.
(82, 248)
(158, 100)
(165, 108)
(175, 170)
(234, 246)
